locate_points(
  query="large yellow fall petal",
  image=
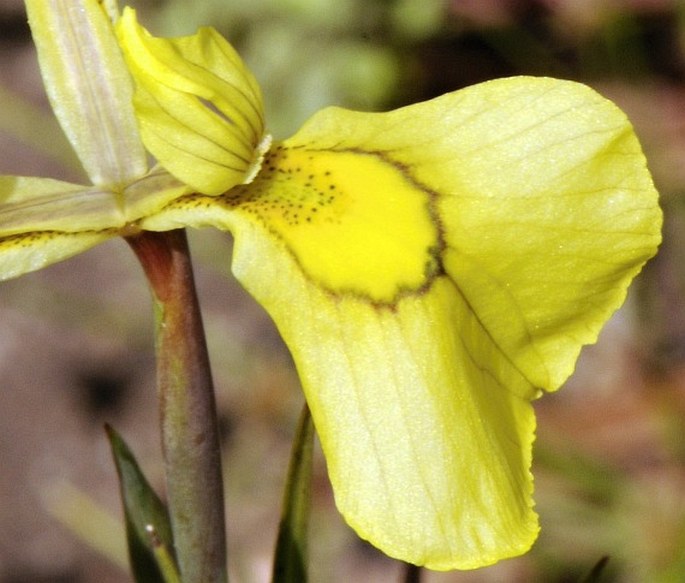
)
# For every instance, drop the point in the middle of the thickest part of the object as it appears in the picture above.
(425, 427)
(541, 197)
(431, 269)
(325, 206)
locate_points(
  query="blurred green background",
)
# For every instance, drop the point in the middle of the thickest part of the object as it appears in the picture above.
(76, 342)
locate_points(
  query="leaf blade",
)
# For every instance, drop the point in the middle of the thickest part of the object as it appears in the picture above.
(148, 527)
(291, 557)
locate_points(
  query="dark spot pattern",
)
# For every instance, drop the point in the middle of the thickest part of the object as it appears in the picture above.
(301, 195)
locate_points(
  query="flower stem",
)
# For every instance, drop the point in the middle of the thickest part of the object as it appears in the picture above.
(190, 437)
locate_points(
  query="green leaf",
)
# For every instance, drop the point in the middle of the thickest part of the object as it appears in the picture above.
(148, 528)
(290, 561)
(597, 572)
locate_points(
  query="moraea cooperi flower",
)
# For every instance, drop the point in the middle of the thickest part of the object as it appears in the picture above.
(433, 269)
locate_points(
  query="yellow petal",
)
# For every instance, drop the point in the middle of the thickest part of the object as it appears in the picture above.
(473, 244)
(43, 221)
(150, 193)
(89, 87)
(426, 429)
(42, 204)
(27, 252)
(199, 107)
(539, 193)
(36, 212)
(355, 222)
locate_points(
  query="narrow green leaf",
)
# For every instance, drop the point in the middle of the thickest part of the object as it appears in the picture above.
(597, 572)
(148, 530)
(290, 561)
(165, 557)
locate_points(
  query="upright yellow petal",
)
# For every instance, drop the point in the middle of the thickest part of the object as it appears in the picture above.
(89, 87)
(200, 109)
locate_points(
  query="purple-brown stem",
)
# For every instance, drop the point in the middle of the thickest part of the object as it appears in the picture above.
(190, 437)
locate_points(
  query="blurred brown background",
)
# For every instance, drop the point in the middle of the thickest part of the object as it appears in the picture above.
(76, 342)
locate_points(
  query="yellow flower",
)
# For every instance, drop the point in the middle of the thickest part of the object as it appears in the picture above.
(90, 88)
(432, 269)
(91, 92)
